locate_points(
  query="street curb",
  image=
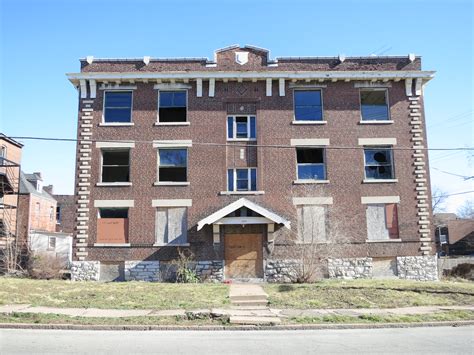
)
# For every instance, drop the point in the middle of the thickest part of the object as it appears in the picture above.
(239, 328)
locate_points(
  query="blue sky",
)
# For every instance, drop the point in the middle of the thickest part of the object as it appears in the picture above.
(42, 40)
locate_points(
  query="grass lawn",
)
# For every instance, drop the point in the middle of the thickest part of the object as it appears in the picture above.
(118, 295)
(370, 294)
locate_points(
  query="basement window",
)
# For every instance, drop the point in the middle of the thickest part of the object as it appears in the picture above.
(118, 107)
(172, 106)
(373, 105)
(308, 105)
(112, 226)
(311, 163)
(116, 165)
(378, 163)
(242, 179)
(382, 221)
(241, 127)
(51, 243)
(172, 165)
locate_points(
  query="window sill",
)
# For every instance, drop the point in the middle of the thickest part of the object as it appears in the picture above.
(300, 182)
(116, 124)
(384, 241)
(113, 184)
(113, 245)
(379, 181)
(376, 122)
(171, 183)
(241, 192)
(241, 139)
(171, 245)
(308, 122)
(172, 123)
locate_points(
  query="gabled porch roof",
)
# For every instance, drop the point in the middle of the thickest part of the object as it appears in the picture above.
(243, 202)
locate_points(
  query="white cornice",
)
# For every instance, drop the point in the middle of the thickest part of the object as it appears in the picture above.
(259, 75)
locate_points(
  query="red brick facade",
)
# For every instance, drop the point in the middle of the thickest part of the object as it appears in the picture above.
(276, 166)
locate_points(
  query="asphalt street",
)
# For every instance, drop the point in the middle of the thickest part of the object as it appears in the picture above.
(435, 340)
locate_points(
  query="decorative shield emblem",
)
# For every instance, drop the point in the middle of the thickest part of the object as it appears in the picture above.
(241, 57)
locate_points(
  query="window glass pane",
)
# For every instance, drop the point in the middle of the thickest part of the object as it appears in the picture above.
(118, 99)
(308, 98)
(113, 212)
(242, 174)
(374, 105)
(308, 113)
(230, 127)
(377, 157)
(241, 130)
(309, 155)
(179, 99)
(115, 174)
(172, 114)
(378, 172)
(230, 180)
(171, 174)
(242, 179)
(117, 115)
(173, 157)
(166, 99)
(115, 157)
(313, 172)
(253, 128)
(253, 179)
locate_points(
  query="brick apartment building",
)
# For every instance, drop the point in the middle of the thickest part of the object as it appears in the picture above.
(250, 162)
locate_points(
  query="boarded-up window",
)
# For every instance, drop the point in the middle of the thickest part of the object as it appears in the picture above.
(312, 224)
(382, 221)
(112, 226)
(171, 225)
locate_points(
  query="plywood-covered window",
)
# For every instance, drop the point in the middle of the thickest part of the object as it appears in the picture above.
(312, 221)
(171, 226)
(382, 221)
(116, 165)
(112, 226)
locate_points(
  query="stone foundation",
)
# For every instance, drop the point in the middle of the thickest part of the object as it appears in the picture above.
(212, 271)
(421, 268)
(137, 270)
(280, 271)
(354, 268)
(85, 271)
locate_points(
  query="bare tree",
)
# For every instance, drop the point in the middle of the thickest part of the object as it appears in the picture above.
(466, 210)
(438, 199)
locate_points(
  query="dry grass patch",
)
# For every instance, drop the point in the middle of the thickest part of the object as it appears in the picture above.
(370, 294)
(116, 295)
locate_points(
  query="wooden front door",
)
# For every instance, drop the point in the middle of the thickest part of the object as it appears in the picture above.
(243, 256)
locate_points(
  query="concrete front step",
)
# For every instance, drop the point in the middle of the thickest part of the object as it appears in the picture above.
(248, 298)
(250, 303)
(251, 320)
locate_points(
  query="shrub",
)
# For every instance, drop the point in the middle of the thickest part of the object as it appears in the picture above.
(184, 271)
(45, 266)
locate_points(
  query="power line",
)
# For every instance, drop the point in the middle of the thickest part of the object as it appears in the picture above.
(447, 172)
(236, 144)
(456, 193)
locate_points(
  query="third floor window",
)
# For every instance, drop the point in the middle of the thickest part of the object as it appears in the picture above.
(373, 105)
(308, 105)
(118, 107)
(172, 106)
(241, 127)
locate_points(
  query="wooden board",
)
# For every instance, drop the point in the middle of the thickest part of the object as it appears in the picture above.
(243, 255)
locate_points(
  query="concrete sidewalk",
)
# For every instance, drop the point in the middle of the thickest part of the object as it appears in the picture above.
(216, 312)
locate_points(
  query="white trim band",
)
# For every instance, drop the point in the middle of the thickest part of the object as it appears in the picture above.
(310, 142)
(172, 203)
(123, 144)
(312, 201)
(173, 144)
(114, 203)
(366, 200)
(377, 141)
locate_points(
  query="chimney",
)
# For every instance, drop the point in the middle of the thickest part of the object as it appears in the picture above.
(48, 189)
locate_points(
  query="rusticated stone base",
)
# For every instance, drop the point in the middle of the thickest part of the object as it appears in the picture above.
(136, 270)
(212, 271)
(354, 268)
(421, 268)
(85, 271)
(280, 271)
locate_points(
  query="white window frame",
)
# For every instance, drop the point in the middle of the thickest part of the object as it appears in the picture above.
(115, 183)
(295, 121)
(249, 179)
(316, 181)
(103, 123)
(392, 163)
(172, 183)
(388, 120)
(185, 123)
(234, 128)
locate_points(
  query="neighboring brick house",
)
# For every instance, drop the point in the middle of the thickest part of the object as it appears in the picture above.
(65, 213)
(10, 160)
(454, 236)
(248, 162)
